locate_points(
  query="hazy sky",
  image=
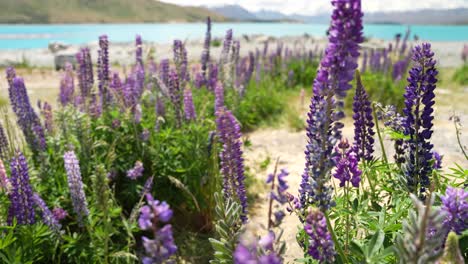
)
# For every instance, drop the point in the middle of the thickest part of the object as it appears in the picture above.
(316, 6)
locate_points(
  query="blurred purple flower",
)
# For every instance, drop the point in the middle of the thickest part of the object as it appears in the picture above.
(75, 184)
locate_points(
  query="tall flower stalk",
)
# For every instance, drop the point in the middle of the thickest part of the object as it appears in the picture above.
(232, 162)
(205, 57)
(363, 122)
(75, 184)
(419, 102)
(189, 107)
(330, 87)
(20, 194)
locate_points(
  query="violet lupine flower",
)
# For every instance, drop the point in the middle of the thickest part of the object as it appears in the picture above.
(116, 86)
(321, 246)
(48, 117)
(21, 195)
(3, 143)
(85, 72)
(175, 95)
(67, 86)
(199, 80)
(251, 251)
(189, 107)
(330, 87)
(136, 172)
(59, 213)
(103, 67)
(219, 97)
(231, 160)
(437, 160)
(278, 193)
(364, 62)
(4, 180)
(160, 108)
(347, 165)
(139, 50)
(363, 122)
(152, 216)
(47, 216)
(213, 78)
(419, 102)
(180, 60)
(12, 93)
(75, 184)
(226, 47)
(137, 113)
(205, 57)
(129, 91)
(145, 135)
(164, 72)
(27, 119)
(455, 204)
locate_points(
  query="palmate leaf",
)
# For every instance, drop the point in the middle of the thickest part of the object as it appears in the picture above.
(227, 227)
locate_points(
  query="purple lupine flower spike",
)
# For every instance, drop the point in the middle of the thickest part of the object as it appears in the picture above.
(219, 96)
(437, 160)
(330, 87)
(363, 122)
(47, 216)
(419, 103)
(180, 60)
(205, 57)
(59, 213)
(75, 184)
(347, 165)
(232, 162)
(85, 73)
(455, 204)
(213, 78)
(136, 172)
(139, 50)
(164, 72)
(175, 95)
(67, 86)
(21, 195)
(48, 117)
(103, 70)
(27, 119)
(226, 47)
(189, 107)
(162, 246)
(321, 246)
(260, 251)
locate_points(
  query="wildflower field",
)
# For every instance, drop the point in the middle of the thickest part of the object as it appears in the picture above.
(147, 164)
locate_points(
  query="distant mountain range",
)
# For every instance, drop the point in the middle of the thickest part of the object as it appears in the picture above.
(424, 16)
(99, 11)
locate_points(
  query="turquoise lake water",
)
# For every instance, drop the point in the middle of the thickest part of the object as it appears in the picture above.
(38, 36)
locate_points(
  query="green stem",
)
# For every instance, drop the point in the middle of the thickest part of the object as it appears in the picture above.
(384, 155)
(346, 190)
(344, 258)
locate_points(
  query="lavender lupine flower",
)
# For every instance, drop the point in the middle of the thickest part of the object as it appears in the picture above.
(278, 193)
(59, 213)
(12, 93)
(116, 86)
(213, 78)
(136, 172)
(455, 204)
(347, 165)
(226, 47)
(321, 246)
(330, 87)
(363, 122)
(48, 117)
(84, 73)
(145, 135)
(137, 113)
(4, 180)
(47, 216)
(75, 184)
(232, 163)
(103, 68)
(164, 72)
(139, 50)
(160, 107)
(364, 62)
(205, 57)
(3, 143)
(67, 86)
(175, 95)
(199, 80)
(152, 216)
(437, 160)
(189, 107)
(249, 250)
(180, 60)
(21, 195)
(419, 102)
(219, 97)
(27, 118)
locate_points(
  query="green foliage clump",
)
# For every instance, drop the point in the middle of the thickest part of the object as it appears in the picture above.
(461, 75)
